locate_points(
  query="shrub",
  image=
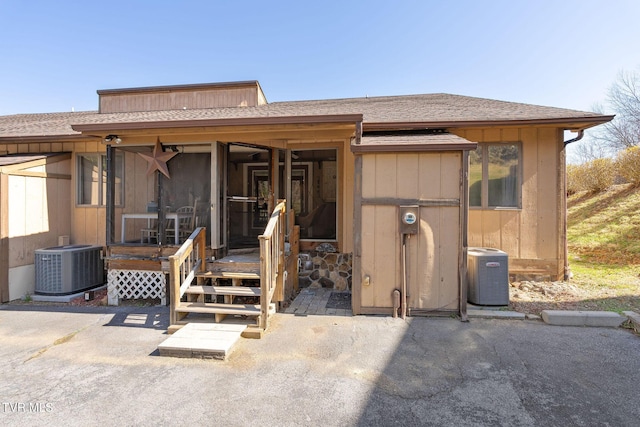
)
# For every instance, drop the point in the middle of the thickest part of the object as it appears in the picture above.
(600, 174)
(593, 176)
(628, 165)
(573, 183)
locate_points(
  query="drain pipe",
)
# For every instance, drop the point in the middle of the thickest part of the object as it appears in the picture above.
(577, 138)
(403, 306)
(567, 268)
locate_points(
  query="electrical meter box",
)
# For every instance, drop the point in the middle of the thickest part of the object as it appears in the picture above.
(409, 219)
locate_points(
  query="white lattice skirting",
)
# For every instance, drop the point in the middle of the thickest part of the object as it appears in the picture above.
(135, 284)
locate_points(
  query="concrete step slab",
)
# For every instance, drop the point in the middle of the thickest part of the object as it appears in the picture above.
(582, 318)
(634, 318)
(494, 314)
(202, 340)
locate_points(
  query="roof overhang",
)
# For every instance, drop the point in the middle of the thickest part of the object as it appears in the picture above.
(209, 123)
(42, 138)
(175, 88)
(568, 123)
(255, 129)
(402, 142)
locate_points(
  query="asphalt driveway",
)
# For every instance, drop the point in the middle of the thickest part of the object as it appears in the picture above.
(99, 366)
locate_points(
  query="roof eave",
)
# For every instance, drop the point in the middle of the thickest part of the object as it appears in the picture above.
(572, 123)
(43, 138)
(245, 121)
(176, 88)
(412, 148)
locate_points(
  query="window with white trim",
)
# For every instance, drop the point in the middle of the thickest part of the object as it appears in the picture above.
(92, 179)
(495, 176)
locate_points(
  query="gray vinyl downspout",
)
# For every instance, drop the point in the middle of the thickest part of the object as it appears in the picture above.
(567, 268)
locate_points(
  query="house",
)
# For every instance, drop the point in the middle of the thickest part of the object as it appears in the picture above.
(467, 171)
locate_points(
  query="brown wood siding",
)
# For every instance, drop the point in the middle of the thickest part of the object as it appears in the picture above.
(39, 211)
(433, 253)
(177, 100)
(532, 235)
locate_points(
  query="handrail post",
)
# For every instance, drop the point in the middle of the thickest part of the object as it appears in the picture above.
(280, 259)
(202, 251)
(271, 249)
(264, 280)
(186, 258)
(174, 286)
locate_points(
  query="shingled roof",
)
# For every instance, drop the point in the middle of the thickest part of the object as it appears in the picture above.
(386, 112)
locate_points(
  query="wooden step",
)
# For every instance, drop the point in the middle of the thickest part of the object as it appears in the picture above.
(220, 274)
(243, 291)
(236, 262)
(218, 308)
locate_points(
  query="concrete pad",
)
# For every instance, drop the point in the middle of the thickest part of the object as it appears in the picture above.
(202, 340)
(471, 306)
(62, 298)
(321, 370)
(493, 314)
(582, 318)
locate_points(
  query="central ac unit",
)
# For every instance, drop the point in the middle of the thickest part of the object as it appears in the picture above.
(63, 270)
(488, 276)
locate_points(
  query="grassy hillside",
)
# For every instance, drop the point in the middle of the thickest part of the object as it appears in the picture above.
(604, 247)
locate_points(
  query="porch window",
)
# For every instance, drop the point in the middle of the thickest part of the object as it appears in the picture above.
(92, 179)
(494, 176)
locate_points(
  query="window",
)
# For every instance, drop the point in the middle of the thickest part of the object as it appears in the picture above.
(92, 179)
(494, 176)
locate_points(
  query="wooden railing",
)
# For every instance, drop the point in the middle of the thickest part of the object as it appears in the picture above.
(183, 265)
(271, 261)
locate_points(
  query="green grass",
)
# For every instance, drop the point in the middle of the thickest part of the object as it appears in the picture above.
(604, 247)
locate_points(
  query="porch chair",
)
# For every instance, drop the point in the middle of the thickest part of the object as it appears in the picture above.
(150, 235)
(186, 225)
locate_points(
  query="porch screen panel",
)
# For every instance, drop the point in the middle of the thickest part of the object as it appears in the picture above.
(314, 201)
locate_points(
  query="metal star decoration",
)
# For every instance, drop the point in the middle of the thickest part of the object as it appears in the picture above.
(158, 159)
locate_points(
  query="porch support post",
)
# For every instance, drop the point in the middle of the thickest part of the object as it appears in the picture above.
(463, 239)
(215, 196)
(111, 199)
(287, 183)
(162, 232)
(274, 164)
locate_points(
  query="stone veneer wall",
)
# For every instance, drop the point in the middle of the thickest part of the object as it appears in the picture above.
(325, 268)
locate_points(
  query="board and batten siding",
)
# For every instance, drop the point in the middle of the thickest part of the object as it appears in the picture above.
(433, 254)
(180, 99)
(532, 236)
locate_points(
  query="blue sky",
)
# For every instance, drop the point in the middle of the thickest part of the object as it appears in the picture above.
(564, 53)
